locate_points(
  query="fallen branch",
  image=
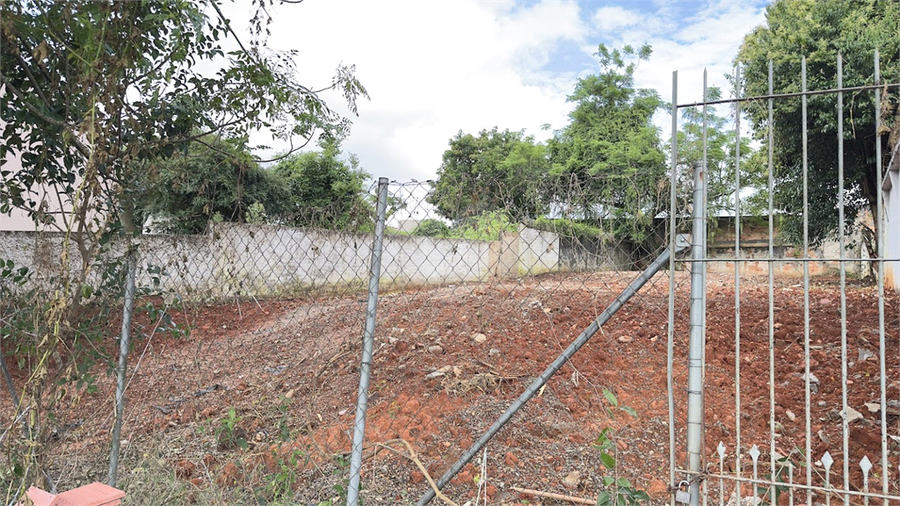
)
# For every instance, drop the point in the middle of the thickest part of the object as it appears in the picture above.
(551, 495)
(412, 456)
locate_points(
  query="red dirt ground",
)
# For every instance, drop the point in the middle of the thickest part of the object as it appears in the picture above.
(290, 370)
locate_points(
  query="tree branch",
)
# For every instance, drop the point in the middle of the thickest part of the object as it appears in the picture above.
(34, 83)
(80, 146)
(228, 26)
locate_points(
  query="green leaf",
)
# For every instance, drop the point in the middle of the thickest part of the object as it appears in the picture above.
(608, 460)
(604, 499)
(603, 440)
(611, 397)
(630, 411)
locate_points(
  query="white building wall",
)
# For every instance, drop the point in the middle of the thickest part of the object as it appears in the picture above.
(890, 188)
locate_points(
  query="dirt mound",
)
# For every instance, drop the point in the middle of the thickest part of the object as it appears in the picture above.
(259, 402)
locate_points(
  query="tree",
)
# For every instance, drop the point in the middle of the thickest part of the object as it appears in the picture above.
(493, 171)
(322, 190)
(720, 161)
(215, 178)
(607, 163)
(94, 93)
(820, 30)
(431, 228)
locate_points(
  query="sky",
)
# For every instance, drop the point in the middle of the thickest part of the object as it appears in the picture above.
(435, 67)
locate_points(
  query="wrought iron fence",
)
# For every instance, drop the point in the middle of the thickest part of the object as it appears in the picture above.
(790, 391)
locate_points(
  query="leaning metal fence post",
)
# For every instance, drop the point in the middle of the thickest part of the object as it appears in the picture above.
(661, 261)
(697, 339)
(368, 340)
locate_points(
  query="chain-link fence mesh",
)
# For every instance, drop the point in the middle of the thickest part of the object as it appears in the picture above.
(245, 367)
(457, 352)
(243, 376)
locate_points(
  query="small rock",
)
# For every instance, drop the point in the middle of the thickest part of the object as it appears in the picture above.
(572, 480)
(790, 414)
(825, 302)
(745, 500)
(867, 439)
(873, 407)
(436, 349)
(865, 354)
(852, 415)
(625, 339)
(657, 489)
(435, 374)
(813, 382)
(823, 437)
(494, 351)
(479, 338)
(289, 394)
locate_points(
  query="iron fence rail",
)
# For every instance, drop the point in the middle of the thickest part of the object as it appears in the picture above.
(854, 483)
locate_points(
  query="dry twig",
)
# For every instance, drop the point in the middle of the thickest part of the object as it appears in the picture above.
(551, 495)
(412, 456)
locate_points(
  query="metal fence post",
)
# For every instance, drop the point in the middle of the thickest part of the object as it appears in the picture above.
(697, 337)
(368, 340)
(124, 344)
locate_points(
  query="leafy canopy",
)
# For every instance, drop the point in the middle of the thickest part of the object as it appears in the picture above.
(215, 179)
(721, 155)
(93, 89)
(608, 163)
(489, 172)
(820, 30)
(321, 190)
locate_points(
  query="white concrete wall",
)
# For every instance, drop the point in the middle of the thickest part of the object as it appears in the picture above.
(264, 261)
(538, 251)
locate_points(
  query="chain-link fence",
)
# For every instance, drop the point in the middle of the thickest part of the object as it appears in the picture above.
(512, 342)
(244, 373)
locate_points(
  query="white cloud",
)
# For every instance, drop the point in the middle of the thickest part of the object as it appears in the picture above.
(435, 67)
(612, 18)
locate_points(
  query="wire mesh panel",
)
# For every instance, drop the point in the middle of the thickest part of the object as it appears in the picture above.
(471, 313)
(799, 369)
(245, 368)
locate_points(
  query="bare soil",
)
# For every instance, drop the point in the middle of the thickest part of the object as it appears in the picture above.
(283, 375)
